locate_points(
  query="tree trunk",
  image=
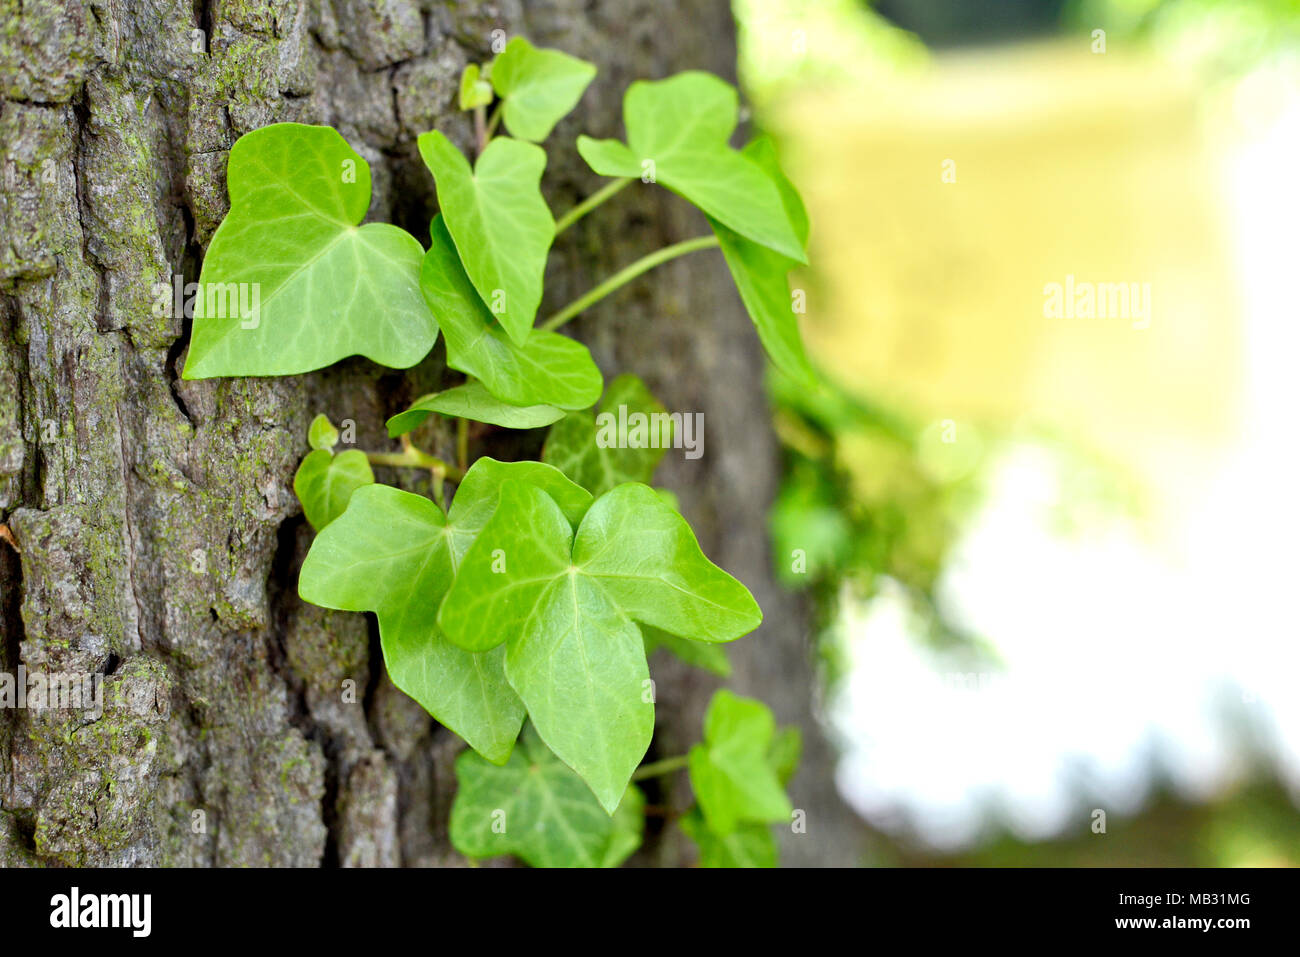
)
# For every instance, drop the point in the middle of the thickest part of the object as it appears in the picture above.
(157, 535)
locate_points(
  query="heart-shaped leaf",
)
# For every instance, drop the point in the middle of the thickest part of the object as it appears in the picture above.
(325, 482)
(623, 442)
(290, 283)
(472, 401)
(395, 554)
(548, 369)
(538, 86)
(761, 274)
(501, 226)
(677, 133)
(575, 659)
(474, 92)
(321, 434)
(731, 771)
(535, 808)
(554, 597)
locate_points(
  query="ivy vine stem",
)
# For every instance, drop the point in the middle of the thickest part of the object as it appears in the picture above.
(657, 769)
(462, 443)
(412, 457)
(626, 275)
(590, 203)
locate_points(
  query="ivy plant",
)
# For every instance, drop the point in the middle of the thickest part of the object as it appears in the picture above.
(520, 608)
(535, 807)
(326, 288)
(325, 480)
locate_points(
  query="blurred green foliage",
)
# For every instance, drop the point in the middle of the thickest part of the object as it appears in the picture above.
(1225, 37)
(796, 43)
(868, 495)
(790, 43)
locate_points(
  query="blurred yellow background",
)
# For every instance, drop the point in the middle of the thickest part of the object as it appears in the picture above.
(930, 293)
(1053, 554)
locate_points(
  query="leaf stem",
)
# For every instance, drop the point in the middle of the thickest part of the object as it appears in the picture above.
(659, 768)
(481, 133)
(626, 275)
(462, 443)
(415, 458)
(590, 203)
(494, 121)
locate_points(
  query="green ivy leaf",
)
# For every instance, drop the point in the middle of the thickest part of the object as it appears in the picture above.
(699, 654)
(326, 288)
(647, 559)
(391, 553)
(681, 125)
(472, 401)
(598, 462)
(784, 754)
(325, 482)
(548, 369)
(474, 92)
(670, 499)
(538, 86)
(501, 226)
(628, 827)
(761, 275)
(556, 599)
(395, 554)
(321, 434)
(733, 780)
(476, 499)
(535, 808)
(575, 659)
(749, 845)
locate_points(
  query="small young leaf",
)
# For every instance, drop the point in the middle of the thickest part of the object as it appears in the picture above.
(538, 86)
(325, 482)
(699, 654)
(537, 809)
(749, 845)
(499, 222)
(596, 451)
(309, 286)
(472, 401)
(556, 598)
(474, 92)
(321, 434)
(733, 780)
(761, 275)
(548, 369)
(395, 554)
(677, 133)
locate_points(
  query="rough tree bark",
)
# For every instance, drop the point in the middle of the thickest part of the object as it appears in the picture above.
(158, 536)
